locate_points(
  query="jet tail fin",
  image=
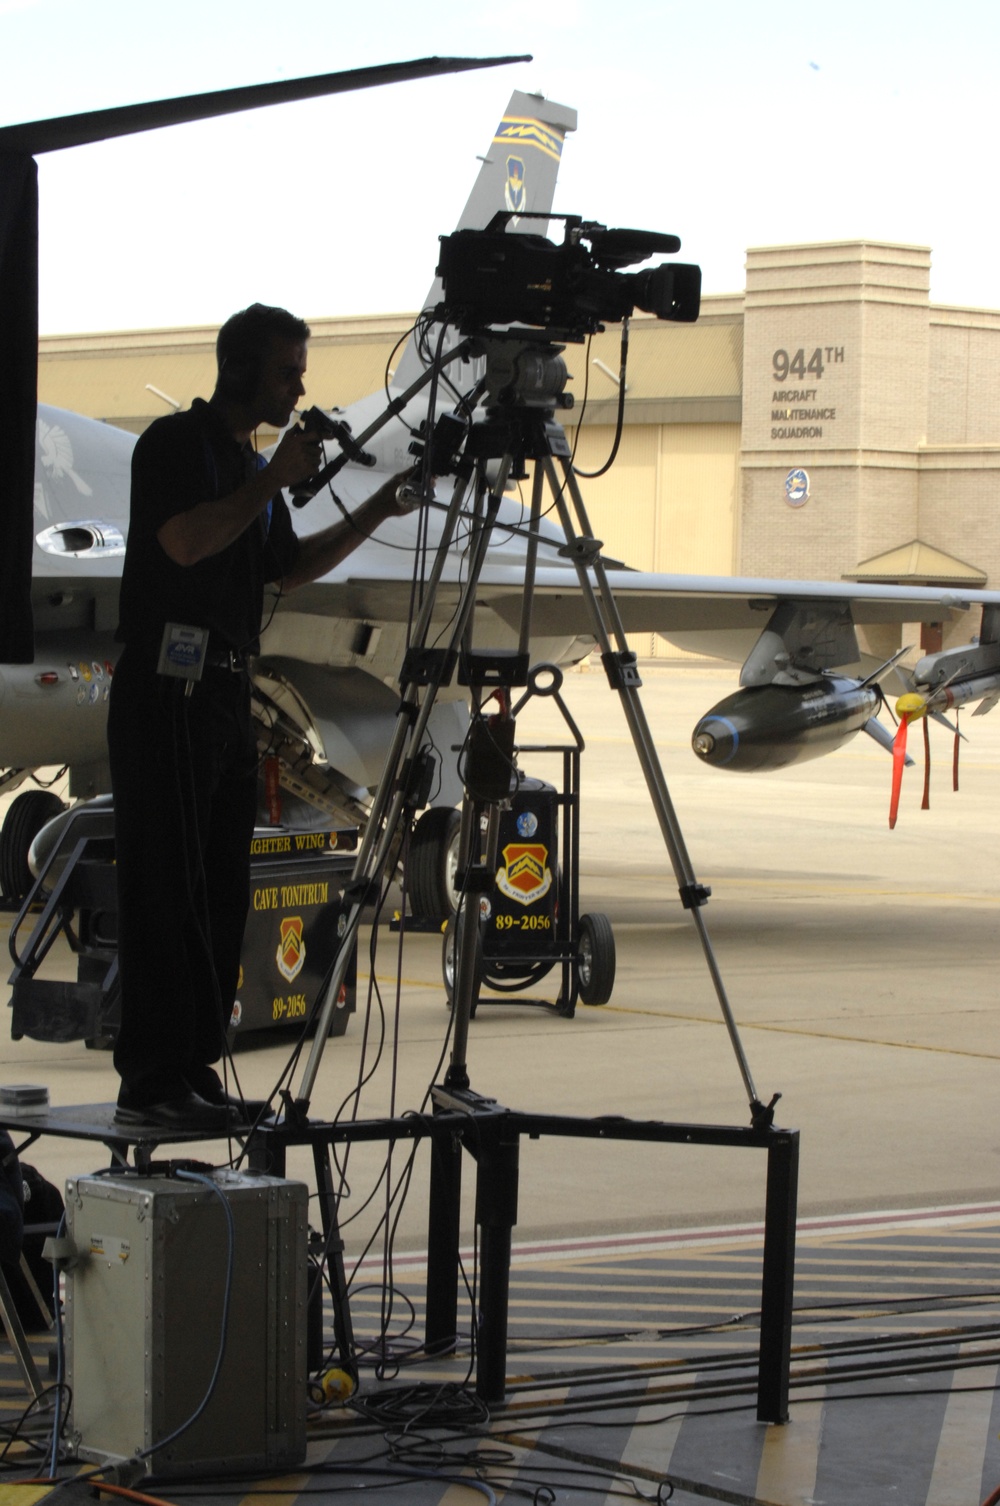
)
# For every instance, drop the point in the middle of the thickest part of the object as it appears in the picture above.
(519, 174)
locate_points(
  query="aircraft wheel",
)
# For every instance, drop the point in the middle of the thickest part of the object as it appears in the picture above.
(595, 959)
(432, 867)
(28, 813)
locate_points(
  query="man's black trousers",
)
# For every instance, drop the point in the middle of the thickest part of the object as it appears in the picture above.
(184, 777)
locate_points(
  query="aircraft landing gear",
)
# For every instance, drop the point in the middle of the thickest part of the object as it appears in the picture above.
(432, 866)
(28, 813)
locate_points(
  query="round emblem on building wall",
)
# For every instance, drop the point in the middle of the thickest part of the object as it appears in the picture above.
(797, 488)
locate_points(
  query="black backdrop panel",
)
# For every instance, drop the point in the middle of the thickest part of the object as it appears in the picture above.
(18, 398)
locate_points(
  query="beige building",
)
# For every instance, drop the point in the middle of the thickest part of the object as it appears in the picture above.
(829, 423)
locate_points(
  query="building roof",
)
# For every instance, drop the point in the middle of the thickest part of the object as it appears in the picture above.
(676, 372)
(917, 563)
(132, 377)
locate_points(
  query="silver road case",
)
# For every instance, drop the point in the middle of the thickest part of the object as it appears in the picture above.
(144, 1305)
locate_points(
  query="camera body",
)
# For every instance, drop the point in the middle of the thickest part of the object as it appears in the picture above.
(491, 277)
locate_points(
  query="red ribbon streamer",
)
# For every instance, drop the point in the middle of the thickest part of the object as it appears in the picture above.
(898, 763)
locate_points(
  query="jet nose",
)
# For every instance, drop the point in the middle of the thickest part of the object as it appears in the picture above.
(715, 740)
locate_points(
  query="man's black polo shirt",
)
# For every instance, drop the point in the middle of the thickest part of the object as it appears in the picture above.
(181, 460)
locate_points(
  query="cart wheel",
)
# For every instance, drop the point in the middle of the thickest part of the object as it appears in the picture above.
(449, 961)
(432, 867)
(595, 959)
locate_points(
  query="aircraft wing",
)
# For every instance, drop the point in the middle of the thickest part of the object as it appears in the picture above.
(719, 616)
(81, 498)
(331, 649)
(723, 616)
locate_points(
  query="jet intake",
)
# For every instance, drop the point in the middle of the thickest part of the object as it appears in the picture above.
(771, 726)
(90, 538)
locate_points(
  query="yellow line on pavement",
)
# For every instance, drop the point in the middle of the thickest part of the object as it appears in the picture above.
(820, 1035)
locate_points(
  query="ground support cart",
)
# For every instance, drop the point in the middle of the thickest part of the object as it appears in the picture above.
(294, 926)
(530, 921)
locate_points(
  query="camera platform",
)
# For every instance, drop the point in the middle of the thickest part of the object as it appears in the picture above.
(465, 1122)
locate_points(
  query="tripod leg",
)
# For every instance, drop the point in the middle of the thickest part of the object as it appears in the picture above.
(478, 875)
(621, 673)
(416, 704)
(531, 559)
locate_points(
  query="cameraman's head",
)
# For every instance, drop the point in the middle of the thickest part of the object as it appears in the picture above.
(261, 356)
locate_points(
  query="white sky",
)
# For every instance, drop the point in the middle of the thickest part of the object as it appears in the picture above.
(731, 126)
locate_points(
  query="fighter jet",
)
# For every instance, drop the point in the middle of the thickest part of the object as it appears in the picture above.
(327, 679)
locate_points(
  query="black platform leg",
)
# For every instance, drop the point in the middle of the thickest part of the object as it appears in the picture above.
(444, 1212)
(333, 1254)
(265, 1152)
(496, 1215)
(778, 1278)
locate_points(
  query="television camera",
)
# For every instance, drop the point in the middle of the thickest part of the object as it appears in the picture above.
(492, 278)
(512, 296)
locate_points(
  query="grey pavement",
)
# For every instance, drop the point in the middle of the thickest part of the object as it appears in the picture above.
(860, 964)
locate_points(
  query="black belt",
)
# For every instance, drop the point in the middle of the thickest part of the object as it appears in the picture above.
(232, 659)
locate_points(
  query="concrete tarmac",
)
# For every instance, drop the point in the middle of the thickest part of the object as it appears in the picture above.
(860, 964)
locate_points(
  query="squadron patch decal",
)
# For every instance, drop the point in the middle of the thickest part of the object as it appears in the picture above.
(525, 876)
(291, 952)
(797, 487)
(514, 193)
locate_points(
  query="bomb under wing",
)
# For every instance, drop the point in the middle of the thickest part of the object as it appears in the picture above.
(772, 726)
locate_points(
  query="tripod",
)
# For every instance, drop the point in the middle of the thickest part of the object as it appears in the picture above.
(520, 425)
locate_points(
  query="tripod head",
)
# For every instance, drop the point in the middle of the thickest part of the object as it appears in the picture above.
(523, 382)
(524, 369)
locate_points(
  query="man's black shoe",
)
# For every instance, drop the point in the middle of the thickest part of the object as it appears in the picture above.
(188, 1111)
(249, 1111)
(241, 1110)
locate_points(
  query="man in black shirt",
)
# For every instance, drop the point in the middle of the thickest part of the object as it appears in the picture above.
(209, 528)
